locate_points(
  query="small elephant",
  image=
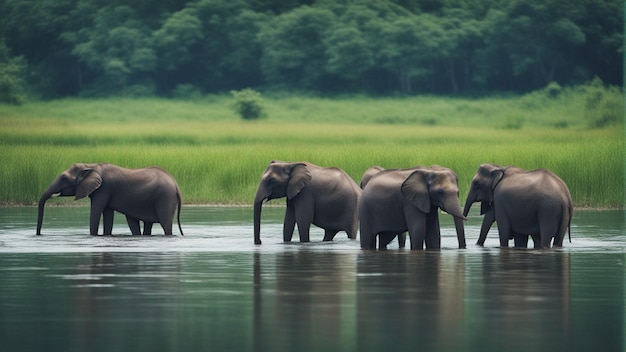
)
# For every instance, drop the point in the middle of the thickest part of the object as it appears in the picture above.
(536, 203)
(150, 195)
(365, 179)
(395, 201)
(325, 197)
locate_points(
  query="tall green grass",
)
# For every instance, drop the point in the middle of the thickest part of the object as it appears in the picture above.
(217, 158)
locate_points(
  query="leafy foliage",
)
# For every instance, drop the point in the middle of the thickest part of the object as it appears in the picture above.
(603, 106)
(74, 47)
(11, 82)
(248, 104)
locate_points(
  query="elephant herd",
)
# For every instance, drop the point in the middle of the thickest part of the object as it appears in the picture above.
(387, 204)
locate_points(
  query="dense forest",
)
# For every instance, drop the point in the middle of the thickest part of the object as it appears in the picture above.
(60, 48)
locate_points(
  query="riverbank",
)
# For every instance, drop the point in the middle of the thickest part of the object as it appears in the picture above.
(218, 158)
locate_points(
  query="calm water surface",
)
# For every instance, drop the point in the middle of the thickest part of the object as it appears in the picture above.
(214, 290)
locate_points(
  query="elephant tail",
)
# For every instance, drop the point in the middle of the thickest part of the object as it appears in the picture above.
(569, 226)
(567, 222)
(180, 205)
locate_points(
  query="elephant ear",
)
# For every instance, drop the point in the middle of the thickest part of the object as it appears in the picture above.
(415, 190)
(496, 177)
(299, 177)
(88, 180)
(485, 206)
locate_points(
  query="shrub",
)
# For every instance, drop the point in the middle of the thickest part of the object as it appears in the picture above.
(603, 105)
(248, 104)
(552, 90)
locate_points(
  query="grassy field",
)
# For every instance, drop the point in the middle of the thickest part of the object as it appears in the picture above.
(218, 158)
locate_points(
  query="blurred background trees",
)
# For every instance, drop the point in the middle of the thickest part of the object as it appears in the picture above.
(80, 47)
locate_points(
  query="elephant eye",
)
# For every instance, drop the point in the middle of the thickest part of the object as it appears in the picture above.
(440, 191)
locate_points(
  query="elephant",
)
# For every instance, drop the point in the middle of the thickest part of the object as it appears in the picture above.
(149, 194)
(536, 203)
(325, 197)
(367, 176)
(396, 201)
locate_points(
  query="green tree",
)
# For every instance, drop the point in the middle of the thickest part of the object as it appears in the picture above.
(179, 35)
(537, 37)
(11, 77)
(211, 44)
(118, 46)
(462, 37)
(293, 47)
(603, 51)
(410, 46)
(33, 29)
(349, 54)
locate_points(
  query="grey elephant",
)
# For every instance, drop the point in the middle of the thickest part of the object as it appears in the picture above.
(149, 194)
(536, 203)
(325, 197)
(395, 201)
(365, 179)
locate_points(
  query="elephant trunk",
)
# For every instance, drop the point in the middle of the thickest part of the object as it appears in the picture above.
(261, 195)
(471, 199)
(42, 202)
(257, 222)
(453, 208)
(460, 232)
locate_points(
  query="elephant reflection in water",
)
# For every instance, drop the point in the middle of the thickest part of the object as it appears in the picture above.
(526, 301)
(410, 300)
(109, 296)
(301, 304)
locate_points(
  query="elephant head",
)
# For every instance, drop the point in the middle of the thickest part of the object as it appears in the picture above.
(279, 180)
(80, 180)
(483, 185)
(436, 187)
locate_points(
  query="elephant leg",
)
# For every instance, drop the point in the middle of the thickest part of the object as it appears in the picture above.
(433, 231)
(536, 240)
(133, 225)
(330, 234)
(107, 220)
(504, 230)
(402, 240)
(303, 214)
(98, 206)
(304, 226)
(548, 230)
(289, 224)
(147, 228)
(384, 238)
(417, 231)
(367, 238)
(558, 240)
(352, 230)
(521, 241)
(488, 220)
(166, 216)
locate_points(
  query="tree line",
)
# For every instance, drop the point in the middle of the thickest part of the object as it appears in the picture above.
(180, 47)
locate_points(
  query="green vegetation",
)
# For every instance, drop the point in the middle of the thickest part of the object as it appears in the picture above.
(11, 77)
(218, 157)
(248, 104)
(169, 48)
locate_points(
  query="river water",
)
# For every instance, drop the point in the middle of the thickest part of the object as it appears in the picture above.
(214, 290)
